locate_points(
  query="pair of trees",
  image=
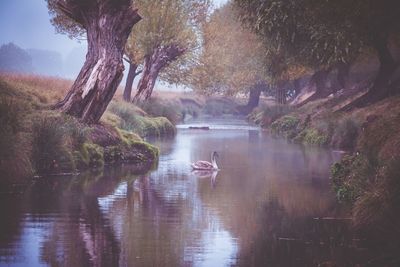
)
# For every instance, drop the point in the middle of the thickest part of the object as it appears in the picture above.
(169, 34)
(329, 34)
(107, 25)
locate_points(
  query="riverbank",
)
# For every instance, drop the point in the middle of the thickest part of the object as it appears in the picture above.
(367, 179)
(36, 140)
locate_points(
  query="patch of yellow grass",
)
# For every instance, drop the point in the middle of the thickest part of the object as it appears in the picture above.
(48, 90)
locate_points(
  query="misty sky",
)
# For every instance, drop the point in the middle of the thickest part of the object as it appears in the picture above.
(27, 24)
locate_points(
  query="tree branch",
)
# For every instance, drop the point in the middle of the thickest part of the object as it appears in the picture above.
(127, 60)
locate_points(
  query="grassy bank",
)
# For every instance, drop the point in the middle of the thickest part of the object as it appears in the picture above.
(35, 140)
(368, 178)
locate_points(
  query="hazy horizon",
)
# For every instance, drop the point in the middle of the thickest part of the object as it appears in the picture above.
(26, 23)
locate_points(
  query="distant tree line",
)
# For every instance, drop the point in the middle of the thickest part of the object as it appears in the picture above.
(38, 61)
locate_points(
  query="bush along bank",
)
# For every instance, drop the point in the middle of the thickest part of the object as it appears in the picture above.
(367, 179)
(35, 140)
(131, 118)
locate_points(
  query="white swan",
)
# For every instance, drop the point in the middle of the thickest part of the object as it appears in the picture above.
(205, 165)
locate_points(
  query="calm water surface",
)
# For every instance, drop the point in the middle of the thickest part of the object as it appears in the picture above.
(271, 204)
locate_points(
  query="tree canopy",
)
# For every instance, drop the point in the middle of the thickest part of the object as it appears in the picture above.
(166, 41)
(232, 58)
(321, 34)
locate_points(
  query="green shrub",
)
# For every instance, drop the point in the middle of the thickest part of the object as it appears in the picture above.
(269, 114)
(350, 177)
(312, 136)
(50, 152)
(95, 155)
(155, 107)
(14, 145)
(143, 126)
(286, 126)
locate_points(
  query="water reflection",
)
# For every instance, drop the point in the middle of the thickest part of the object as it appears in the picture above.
(264, 207)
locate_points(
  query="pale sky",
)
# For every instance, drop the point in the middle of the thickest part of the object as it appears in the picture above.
(27, 24)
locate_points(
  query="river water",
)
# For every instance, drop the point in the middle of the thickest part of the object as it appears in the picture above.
(271, 204)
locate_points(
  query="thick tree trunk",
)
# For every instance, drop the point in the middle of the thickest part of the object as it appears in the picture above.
(388, 66)
(153, 64)
(382, 86)
(108, 25)
(129, 81)
(254, 98)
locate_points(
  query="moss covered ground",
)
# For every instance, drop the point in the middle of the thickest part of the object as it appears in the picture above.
(35, 140)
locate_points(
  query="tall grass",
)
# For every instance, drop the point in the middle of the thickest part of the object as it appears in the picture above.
(130, 120)
(170, 109)
(38, 90)
(265, 116)
(50, 151)
(14, 146)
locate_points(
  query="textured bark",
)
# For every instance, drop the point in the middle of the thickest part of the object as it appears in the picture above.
(254, 98)
(153, 64)
(108, 25)
(129, 81)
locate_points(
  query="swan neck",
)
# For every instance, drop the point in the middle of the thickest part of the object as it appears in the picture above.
(214, 163)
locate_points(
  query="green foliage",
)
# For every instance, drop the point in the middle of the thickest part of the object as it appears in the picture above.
(267, 115)
(94, 155)
(286, 126)
(50, 153)
(143, 126)
(168, 23)
(14, 148)
(232, 60)
(157, 107)
(350, 177)
(314, 137)
(128, 138)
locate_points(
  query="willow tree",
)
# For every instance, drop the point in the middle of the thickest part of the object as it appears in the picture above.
(232, 60)
(107, 25)
(163, 37)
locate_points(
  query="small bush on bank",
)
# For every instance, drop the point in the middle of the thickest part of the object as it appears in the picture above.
(155, 107)
(312, 136)
(143, 126)
(286, 126)
(350, 176)
(267, 115)
(50, 151)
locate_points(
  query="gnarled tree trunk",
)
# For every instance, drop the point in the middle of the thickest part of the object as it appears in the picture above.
(254, 98)
(129, 81)
(153, 64)
(382, 86)
(108, 24)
